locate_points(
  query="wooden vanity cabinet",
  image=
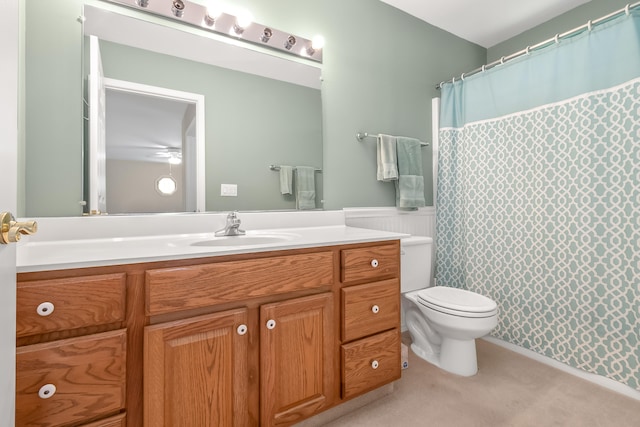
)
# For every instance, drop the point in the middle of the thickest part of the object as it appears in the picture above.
(72, 351)
(370, 318)
(278, 344)
(264, 339)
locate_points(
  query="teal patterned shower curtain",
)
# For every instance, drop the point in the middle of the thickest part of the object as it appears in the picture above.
(538, 197)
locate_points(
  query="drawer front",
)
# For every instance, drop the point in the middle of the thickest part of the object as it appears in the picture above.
(370, 308)
(373, 263)
(61, 304)
(174, 289)
(71, 380)
(117, 421)
(370, 362)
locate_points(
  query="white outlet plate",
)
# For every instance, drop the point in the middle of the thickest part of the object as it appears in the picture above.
(229, 190)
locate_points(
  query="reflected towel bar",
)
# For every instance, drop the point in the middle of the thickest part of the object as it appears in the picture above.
(360, 136)
(277, 168)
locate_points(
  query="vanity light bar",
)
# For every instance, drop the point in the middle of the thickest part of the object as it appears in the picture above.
(237, 27)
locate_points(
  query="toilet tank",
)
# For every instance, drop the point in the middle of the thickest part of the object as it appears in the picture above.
(415, 263)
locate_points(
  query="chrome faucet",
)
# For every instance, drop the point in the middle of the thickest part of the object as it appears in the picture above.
(232, 228)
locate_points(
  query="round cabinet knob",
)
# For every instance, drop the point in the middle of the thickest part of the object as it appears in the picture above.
(374, 364)
(46, 391)
(375, 309)
(45, 309)
(271, 324)
(242, 329)
(374, 263)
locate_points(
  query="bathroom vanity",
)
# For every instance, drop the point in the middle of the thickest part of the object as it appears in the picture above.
(212, 335)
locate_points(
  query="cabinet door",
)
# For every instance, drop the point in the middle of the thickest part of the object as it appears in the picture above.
(296, 359)
(195, 371)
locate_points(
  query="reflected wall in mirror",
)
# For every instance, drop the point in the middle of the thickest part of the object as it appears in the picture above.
(151, 138)
(253, 118)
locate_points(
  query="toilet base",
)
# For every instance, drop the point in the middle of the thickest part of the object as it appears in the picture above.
(432, 358)
(459, 357)
(456, 356)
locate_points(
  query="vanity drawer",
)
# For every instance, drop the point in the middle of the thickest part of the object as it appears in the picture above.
(370, 308)
(372, 263)
(117, 421)
(370, 362)
(174, 289)
(88, 374)
(69, 303)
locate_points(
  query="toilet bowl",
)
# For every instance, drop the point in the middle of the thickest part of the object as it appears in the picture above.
(443, 322)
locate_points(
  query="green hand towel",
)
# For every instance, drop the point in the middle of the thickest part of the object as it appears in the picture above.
(410, 183)
(305, 187)
(286, 179)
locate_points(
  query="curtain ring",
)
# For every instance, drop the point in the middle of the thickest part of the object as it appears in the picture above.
(462, 76)
(453, 80)
(483, 68)
(626, 9)
(557, 38)
(526, 51)
(502, 60)
(589, 25)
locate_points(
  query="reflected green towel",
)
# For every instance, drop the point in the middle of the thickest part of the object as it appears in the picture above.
(305, 187)
(286, 179)
(410, 183)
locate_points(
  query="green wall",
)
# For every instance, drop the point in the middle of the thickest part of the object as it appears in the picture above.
(52, 106)
(565, 22)
(380, 70)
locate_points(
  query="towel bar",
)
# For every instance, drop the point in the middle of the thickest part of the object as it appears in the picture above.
(277, 168)
(360, 136)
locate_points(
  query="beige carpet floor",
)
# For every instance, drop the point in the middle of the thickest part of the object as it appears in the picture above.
(509, 390)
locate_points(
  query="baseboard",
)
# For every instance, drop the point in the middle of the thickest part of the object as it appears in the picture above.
(593, 378)
(347, 407)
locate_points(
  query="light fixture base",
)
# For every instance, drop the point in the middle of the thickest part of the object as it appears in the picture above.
(195, 14)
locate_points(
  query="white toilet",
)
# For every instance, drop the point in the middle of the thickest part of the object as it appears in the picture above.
(443, 322)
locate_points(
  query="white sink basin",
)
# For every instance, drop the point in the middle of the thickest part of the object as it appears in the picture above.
(247, 240)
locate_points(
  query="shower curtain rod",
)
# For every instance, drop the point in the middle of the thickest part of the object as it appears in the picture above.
(555, 39)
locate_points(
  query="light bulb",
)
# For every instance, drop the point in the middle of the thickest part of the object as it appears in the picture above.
(243, 20)
(266, 35)
(291, 41)
(166, 185)
(177, 8)
(316, 44)
(214, 10)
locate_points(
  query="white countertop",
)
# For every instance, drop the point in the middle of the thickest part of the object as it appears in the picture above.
(65, 254)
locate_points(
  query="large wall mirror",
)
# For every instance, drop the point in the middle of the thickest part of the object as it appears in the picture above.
(208, 113)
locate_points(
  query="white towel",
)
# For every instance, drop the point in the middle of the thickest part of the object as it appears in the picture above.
(286, 179)
(387, 158)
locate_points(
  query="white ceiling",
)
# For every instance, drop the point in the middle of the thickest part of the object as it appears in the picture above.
(485, 22)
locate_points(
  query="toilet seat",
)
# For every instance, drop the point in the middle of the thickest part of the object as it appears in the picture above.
(457, 302)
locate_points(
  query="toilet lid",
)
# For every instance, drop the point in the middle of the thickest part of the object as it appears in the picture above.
(458, 300)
